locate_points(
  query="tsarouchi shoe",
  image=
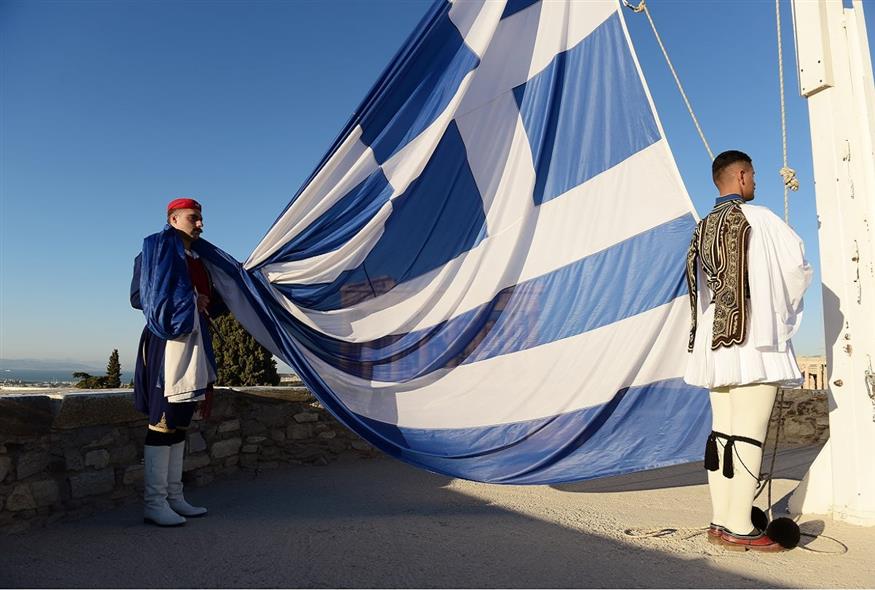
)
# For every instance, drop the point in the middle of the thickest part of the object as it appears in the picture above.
(753, 541)
(715, 532)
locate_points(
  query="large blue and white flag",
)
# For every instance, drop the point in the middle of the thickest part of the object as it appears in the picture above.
(485, 275)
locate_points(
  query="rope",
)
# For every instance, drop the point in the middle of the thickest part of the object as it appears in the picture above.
(766, 479)
(787, 173)
(642, 7)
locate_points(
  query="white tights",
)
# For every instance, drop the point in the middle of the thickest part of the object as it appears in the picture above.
(739, 411)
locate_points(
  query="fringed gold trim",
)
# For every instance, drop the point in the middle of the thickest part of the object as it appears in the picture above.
(162, 425)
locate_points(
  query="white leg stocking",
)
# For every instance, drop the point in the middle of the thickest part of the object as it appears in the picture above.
(751, 409)
(721, 411)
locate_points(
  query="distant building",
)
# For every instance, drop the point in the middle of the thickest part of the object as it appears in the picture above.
(286, 378)
(813, 370)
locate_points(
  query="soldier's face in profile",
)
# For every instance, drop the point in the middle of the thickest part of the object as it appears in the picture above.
(188, 222)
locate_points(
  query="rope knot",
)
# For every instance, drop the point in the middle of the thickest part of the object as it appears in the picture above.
(789, 176)
(640, 8)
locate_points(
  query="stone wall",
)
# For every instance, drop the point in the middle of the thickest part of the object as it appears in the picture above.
(804, 416)
(65, 456)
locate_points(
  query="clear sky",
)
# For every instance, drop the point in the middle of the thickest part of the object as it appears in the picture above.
(112, 108)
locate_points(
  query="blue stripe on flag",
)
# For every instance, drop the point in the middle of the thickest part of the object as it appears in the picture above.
(420, 90)
(585, 112)
(514, 6)
(631, 277)
(340, 223)
(634, 425)
(642, 427)
(437, 218)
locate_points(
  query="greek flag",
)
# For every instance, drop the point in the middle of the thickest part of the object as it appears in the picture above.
(484, 276)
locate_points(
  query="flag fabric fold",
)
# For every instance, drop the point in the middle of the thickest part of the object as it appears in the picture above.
(484, 276)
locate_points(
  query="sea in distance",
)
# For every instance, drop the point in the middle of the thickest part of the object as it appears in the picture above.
(41, 376)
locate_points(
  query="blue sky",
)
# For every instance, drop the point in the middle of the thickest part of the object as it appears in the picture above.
(110, 109)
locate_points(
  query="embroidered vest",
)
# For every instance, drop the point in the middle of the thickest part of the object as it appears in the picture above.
(720, 243)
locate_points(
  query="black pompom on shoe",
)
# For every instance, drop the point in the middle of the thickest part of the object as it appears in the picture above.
(785, 532)
(759, 518)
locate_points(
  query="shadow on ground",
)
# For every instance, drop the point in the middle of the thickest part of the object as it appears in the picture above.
(791, 463)
(361, 524)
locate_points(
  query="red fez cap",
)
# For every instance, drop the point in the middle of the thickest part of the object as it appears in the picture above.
(183, 204)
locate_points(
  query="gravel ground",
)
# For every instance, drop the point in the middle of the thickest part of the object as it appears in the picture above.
(381, 523)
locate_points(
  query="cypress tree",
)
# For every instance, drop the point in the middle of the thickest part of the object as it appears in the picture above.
(113, 371)
(240, 359)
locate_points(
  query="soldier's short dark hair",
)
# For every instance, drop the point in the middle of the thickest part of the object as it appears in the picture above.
(725, 159)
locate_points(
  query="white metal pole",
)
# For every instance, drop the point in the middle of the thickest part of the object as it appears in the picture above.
(835, 75)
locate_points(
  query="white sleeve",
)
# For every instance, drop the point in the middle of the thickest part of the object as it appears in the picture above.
(779, 275)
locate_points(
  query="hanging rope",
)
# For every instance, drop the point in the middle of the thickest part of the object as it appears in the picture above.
(765, 479)
(642, 7)
(787, 173)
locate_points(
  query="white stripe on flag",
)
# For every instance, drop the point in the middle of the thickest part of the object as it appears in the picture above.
(562, 376)
(604, 211)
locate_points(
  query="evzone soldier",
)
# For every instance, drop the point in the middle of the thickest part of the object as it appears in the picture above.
(176, 367)
(746, 272)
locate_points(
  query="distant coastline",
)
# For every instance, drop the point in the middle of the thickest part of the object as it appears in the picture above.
(43, 377)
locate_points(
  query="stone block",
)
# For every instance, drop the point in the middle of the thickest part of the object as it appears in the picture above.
(133, 475)
(73, 459)
(32, 463)
(226, 448)
(97, 459)
(26, 415)
(278, 435)
(248, 461)
(90, 483)
(124, 455)
(361, 445)
(273, 414)
(328, 434)
(249, 449)
(307, 454)
(5, 467)
(284, 393)
(196, 443)
(221, 407)
(192, 462)
(299, 431)
(251, 427)
(100, 408)
(96, 437)
(20, 499)
(255, 439)
(271, 452)
(45, 492)
(232, 461)
(304, 417)
(337, 446)
(229, 426)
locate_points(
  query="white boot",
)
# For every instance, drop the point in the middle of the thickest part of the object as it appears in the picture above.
(157, 510)
(174, 484)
